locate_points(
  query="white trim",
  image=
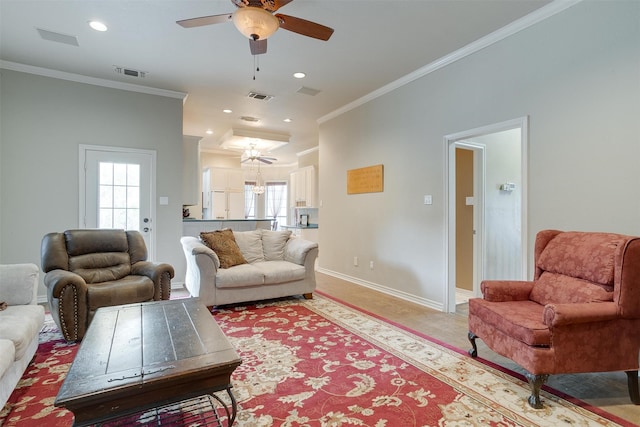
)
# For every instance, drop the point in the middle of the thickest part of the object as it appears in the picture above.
(384, 289)
(516, 26)
(450, 140)
(309, 151)
(63, 75)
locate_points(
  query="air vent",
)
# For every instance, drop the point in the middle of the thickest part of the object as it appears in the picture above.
(130, 72)
(260, 96)
(58, 37)
(308, 91)
(250, 119)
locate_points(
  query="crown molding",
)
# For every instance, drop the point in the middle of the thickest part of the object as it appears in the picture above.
(78, 78)
(516, 26)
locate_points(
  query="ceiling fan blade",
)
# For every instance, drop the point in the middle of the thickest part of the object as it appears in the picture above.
(268, 158)
(262, 159)
(304, 27)
(245, 160)
(205, 20)
(258, 47)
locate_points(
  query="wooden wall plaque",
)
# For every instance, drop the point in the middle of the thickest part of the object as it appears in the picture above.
(365, 180)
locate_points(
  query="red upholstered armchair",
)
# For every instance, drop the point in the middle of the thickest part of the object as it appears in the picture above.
(581, 313)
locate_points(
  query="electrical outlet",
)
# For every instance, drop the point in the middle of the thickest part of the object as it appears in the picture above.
(371, 265)
(355, 261)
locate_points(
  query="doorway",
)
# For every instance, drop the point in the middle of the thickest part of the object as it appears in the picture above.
(117, 190)
(498, 204)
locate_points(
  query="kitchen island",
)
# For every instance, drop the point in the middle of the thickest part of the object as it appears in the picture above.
(193, 227)
(307, 232)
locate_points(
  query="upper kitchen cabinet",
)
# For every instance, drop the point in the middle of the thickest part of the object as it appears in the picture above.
(302, 183)
(227, 179)
(190, 170)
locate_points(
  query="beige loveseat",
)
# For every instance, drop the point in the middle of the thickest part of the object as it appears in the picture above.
(277, 265)
(20, 323)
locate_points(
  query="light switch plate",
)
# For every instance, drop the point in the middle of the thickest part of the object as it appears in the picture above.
(428, 200)
(164, 200)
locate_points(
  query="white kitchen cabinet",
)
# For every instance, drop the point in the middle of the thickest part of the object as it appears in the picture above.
(227, 179)
(302, 184)
(227, 204)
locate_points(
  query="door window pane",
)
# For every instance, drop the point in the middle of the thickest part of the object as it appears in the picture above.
(119, 201)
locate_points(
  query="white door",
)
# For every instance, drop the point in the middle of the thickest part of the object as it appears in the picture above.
(117, 190)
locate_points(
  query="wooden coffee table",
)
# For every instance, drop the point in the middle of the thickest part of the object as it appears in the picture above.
(140, 356)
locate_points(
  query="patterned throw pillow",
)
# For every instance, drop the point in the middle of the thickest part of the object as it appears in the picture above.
(224, 245)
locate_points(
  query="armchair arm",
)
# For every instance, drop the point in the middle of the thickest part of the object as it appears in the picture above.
(569, 314)
(67, 296)
(57, 280)
(161, 275)
(506, 290)
(296, 250)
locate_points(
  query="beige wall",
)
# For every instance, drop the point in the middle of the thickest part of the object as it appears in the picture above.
(43, 121)
(575, 75)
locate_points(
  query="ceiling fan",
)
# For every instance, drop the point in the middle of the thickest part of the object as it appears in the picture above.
(256, 20)
(252, 154)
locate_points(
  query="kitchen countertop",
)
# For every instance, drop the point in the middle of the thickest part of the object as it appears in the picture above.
(223, 220)
(300, 226)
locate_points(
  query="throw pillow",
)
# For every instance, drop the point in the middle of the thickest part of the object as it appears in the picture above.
(224, 245)
(273, 243)
(552, 288)
(250, 244)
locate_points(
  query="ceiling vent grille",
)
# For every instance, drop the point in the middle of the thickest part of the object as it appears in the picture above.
(308, 91)
(260, 96)
(58, 37)
(250, 119)
(130, 72)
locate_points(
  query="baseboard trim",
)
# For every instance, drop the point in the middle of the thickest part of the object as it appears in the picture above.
(384, 289)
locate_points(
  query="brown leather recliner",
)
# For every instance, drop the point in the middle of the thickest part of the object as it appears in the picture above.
(89, 269)
(581, 313)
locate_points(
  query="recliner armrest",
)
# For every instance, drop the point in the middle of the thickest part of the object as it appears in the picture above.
(56, 280)
(152, 270)
(574, 313)
(296, 250)
(506, 290)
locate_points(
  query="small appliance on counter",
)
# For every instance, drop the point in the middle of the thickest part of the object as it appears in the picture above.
(304, 220)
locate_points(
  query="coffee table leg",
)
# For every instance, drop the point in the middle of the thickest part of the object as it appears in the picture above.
(231, 415)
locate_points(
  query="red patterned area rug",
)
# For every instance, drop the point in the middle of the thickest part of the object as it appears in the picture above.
(321, 363)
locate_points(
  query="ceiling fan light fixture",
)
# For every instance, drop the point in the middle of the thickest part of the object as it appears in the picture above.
(255, 23)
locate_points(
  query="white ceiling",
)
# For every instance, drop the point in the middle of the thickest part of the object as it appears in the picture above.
(375, 43)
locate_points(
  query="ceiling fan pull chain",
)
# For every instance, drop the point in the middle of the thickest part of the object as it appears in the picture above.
(256, 65)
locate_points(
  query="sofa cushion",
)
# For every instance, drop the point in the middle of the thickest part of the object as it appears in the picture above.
(239, 276)
(588, 256)
(17, 283)
(273, 243)
(521, 320)
(128, 290)
(224, 245)
(250, 244)
(7, 355)
(280, 271)
(20, 324)
(552, 288)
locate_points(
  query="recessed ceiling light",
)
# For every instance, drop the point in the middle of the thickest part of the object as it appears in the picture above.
(299, 75)
(227, 111)
(209, 132)
(288, 120)
(97, 25)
